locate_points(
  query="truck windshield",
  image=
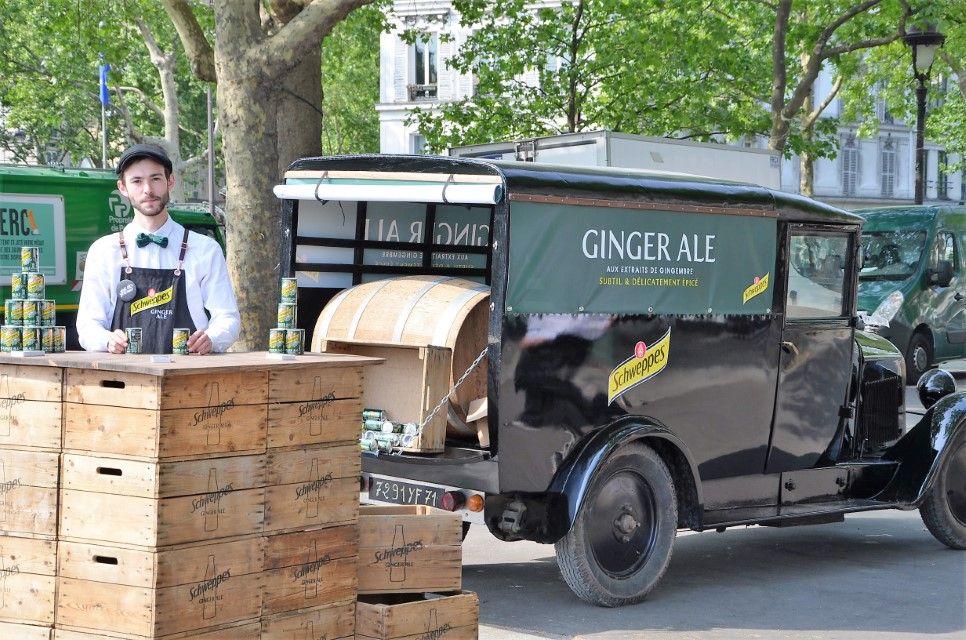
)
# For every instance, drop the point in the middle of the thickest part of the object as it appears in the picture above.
(891, 255)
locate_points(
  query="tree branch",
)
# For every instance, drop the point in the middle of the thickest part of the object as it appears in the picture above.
(145, 98)
(809, 120)
(200, 54)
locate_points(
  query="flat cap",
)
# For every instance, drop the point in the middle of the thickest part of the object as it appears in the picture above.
(140, 151)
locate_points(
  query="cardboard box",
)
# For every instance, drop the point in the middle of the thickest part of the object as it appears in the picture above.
(155, 504)
(312, 487)
(152, 594)
(27, 582)
(409, 549)
(30, 406)
(28, 492)
(430, 615)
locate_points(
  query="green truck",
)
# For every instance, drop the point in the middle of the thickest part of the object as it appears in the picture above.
(63, 211)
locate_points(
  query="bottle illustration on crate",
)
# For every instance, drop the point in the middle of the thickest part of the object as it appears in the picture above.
(286, 338)
(29, 323)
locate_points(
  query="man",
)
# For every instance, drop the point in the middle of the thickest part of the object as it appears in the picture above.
(155, 274)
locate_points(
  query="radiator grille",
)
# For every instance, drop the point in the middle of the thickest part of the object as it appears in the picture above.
(882, 404)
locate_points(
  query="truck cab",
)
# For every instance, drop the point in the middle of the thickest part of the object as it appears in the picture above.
(660, 352)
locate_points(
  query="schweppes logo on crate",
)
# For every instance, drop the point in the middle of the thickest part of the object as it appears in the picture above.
(149, 302)
(647, 362)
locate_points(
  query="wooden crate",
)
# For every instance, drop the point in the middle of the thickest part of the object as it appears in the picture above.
(165, 416)
(156, 504)
(17, 631)
(409, 549)
(408, 386)
(30, 406)
(28, 492)
(429, 615)
(330, 622)
(314, 406)
(311, 487)
(250, 630)
(27, 582)
(153, 594)
(308, 569)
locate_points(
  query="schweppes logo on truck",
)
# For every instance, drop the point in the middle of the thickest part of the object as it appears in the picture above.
(149, 302)
(758, 287)
(647, 362)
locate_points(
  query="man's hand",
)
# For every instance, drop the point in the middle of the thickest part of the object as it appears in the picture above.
(117, 341)
(200, 343)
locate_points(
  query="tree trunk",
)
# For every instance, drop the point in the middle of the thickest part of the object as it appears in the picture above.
(806, 160)
(299, 112)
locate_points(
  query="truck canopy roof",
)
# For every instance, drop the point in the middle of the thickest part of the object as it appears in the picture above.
(608, 183)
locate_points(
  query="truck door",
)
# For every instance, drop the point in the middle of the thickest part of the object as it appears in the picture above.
(816, 347)
(949, 302)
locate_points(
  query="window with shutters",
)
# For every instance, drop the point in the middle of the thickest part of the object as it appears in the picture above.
(425, 61)
(888, 168)
(850, 165)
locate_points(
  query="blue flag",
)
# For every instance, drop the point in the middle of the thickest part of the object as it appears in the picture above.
(105, 93)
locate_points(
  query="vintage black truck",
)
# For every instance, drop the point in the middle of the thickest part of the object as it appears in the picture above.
(661, 352)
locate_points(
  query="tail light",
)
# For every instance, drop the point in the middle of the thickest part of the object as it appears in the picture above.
(452, 500)
(475, 503)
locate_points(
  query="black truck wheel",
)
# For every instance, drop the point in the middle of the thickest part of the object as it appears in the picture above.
(918, 357)
(620, 545)
(944, 510)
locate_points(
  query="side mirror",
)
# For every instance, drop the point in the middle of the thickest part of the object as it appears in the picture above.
(942, 275)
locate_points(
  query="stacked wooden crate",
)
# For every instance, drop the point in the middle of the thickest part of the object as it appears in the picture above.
(410, 576)
(30, 441)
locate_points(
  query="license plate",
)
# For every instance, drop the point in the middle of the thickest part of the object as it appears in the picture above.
(403, 492)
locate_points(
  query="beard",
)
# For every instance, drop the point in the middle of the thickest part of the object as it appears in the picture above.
(153, 207)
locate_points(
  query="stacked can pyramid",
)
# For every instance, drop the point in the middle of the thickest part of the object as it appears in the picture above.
(29, 318)
(285, 337)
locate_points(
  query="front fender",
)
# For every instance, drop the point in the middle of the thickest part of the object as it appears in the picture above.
(923, 450)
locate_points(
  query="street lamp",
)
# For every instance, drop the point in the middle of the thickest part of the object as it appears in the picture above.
(924, 45)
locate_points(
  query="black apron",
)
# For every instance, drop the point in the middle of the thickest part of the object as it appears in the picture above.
(159, 305)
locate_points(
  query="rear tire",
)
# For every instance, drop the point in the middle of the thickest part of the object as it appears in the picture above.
(620, 544)
(918, 357)
(944, 509)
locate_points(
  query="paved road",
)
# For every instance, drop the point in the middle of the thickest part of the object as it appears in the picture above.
(876, 575)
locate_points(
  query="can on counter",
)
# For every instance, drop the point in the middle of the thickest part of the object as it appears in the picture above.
(290, 288)
(13, 312)
(10, 338)
(35, 286)
(295, 341)
(47, 339)
(29, 259)
(48, 313)
(286, 315)
(31, 312)
(179, 341)
(276, 340)
(60, 339)
(18, 286)
(30, 338)
(134, 339)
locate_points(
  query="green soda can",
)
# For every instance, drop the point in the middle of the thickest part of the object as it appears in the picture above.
(48, 313)
(31, 312)
(47, 339)
(179, 341)
(391, 438)
(30, 338)
(13, 312)
(35, 286)
(374, 414)
(60, 339)
(295, 341)
(29, 259)
(10, 338)
(276, 340)
(410, 429)
(286, 316)
(290, 288)
(133, 339)
(369, 445)
(374, 425)
(18, 286)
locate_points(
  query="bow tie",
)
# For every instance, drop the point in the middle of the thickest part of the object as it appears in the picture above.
(144, 239)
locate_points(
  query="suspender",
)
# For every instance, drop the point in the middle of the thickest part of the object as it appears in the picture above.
(127, 260)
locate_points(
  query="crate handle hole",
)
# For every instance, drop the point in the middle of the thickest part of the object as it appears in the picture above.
(113, 384)
(110, 471)
(105, 560)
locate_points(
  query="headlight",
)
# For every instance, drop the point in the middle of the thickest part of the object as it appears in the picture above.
(887, 309)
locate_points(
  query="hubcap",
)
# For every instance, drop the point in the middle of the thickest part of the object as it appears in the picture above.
(621, 524)
(919, 359)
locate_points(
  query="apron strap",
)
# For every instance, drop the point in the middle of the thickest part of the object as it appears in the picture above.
(127, 261)
(184, 249)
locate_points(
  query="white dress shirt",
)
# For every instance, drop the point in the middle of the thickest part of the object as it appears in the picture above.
(206, 283)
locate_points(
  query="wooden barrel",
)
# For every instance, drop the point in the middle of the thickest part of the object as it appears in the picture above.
(418, 310)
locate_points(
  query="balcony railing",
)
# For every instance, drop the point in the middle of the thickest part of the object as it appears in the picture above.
(421, 92)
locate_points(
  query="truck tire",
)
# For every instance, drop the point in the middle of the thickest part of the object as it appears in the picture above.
(620, 544)
(944, 509)
(918, 357)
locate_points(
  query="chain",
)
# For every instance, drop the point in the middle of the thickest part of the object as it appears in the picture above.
(455, 386)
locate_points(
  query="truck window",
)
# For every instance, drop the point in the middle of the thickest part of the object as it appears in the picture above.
(891, 255)
(816, 279)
